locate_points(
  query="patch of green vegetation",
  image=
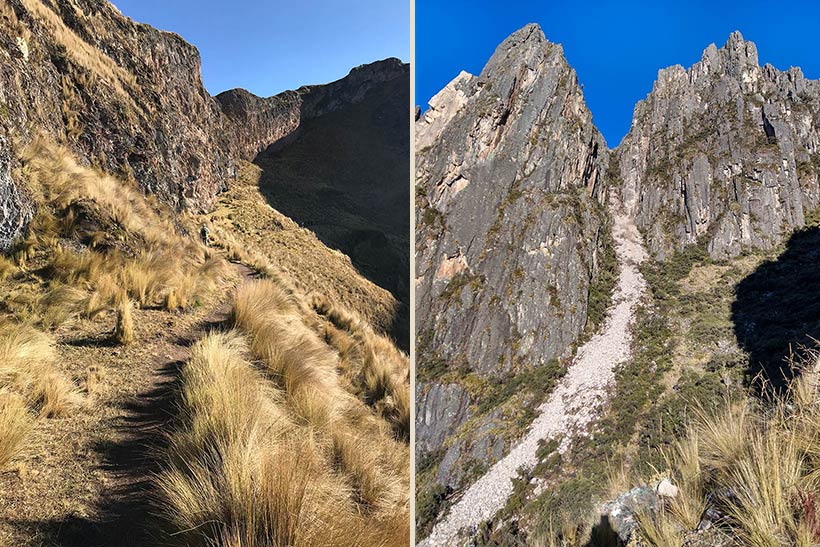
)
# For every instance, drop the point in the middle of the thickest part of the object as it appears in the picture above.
(668, 420)
(490, 392)
(602, 286)
(4, 111)
(512, 196)
(452, 292)
(431, 217)
(428, 461)
(658, 167)
(430, 366)
(663, 277)
(555, 301)
(430, 503)
(812, 218)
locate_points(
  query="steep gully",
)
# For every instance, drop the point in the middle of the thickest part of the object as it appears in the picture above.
(574, 403)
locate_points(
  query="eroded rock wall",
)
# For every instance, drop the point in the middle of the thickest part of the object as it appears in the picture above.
(510, 224)
(254, 123)
(129, 98)
(725, 152)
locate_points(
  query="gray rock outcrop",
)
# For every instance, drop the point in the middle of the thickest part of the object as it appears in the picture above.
(510, 224)
(725, 152)
(511, 175)
(125, 96)
(129, 98)
(254, 123)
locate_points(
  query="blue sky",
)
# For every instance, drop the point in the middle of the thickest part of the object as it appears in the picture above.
(268, 47)
(615, 47)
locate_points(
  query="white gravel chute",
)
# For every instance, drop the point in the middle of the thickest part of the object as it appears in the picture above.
(574, 403)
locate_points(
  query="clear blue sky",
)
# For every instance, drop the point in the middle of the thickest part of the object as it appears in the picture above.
(615, 47)
(271, 46)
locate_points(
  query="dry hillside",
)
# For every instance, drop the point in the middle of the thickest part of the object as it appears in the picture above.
(241, 390)
(161, 384)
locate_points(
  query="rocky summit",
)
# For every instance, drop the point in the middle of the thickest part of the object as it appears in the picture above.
(510, 240)
(723, 152)
(519, 206)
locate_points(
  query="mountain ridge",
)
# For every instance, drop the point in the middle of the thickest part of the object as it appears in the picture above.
(719, 167)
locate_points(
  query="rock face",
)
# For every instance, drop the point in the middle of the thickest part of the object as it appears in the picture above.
(15, 208)
(125, 96)
(724, 153)
(510, 175)
(255, 123)
(129, 98)
(510, 226)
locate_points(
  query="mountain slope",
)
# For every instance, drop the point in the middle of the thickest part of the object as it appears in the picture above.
(510, 260)
(128, 416)
(129, 99)
(719, 174)
(126, 96)
(343, 174)
(724, 152)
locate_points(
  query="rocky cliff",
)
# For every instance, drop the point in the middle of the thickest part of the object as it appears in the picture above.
(510, 243)
(723, 153)
(129, 98)
(255, 123)
(343, 172)
(721, 159)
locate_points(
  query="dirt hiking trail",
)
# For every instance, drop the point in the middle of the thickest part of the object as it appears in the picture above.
(84, 480)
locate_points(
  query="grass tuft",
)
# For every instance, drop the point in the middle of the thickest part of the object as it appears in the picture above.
(242, 471)
(27, 359)
(15, 423)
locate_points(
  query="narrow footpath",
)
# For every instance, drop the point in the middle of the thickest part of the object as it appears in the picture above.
(85, 480)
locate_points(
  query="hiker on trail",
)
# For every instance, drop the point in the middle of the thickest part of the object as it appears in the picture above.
(205, 234)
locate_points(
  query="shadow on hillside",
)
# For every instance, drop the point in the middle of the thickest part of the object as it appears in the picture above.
(344, 175)
(124, 515)
(777, 309)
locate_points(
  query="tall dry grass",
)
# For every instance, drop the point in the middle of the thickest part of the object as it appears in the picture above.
(244, 471)
(758, 465)
(15, 424)
(102, 239)
(27, 358)
(358, 443)
(29, 384)
(378, 373)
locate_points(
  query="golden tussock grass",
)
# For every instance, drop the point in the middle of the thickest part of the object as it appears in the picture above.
(7, 267)
(15, 424)
(27, 358)
(377, 371)
(105, 242)
(29, 383)
(357, 442)
(242, 472)
(562, 531)
(124, 331)
(659, 529)
(761, 466)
